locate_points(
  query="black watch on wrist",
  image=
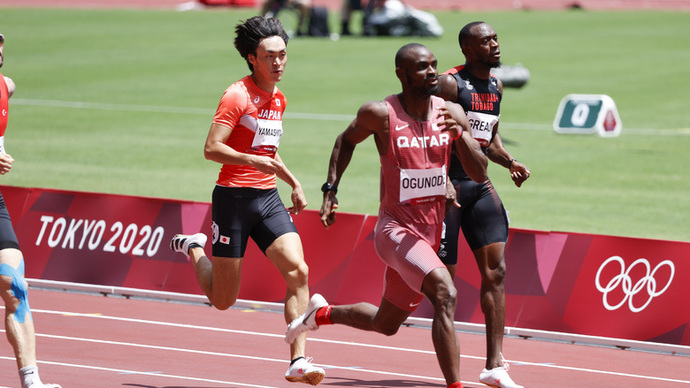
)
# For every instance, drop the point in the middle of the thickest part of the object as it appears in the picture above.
(329, 187)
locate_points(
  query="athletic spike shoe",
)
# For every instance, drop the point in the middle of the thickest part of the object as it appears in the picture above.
(303, 371)
(498, 377)
(180, 243)
(42, 385)
(306, 321)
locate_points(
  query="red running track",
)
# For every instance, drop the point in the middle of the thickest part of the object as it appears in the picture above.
(87, 341)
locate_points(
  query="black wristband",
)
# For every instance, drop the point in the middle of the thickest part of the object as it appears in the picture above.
(329, 187)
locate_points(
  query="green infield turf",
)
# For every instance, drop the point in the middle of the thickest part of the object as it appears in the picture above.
(120, 101)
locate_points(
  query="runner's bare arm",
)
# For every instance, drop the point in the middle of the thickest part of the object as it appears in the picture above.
(372, 118)
(448, 88)
(499, 155)
(473, 160)
(299, 200)
(11, 87)
(216, 150)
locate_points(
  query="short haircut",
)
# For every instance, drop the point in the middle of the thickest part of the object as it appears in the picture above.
(252, 31)
(466, 32)
(404, 51)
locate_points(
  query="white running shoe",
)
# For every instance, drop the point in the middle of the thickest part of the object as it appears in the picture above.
(180, 243)
(306, 321)
(303, 371)
(498, 377)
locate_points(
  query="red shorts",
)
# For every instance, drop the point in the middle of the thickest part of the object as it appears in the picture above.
(409, 258)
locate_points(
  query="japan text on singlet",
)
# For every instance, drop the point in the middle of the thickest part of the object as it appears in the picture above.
(255, 118)
(481, 101)
(4, 110)
(413, 172)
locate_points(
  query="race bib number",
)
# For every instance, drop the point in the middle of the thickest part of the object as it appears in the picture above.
(416, 185)
(267, 135)
(482, 127)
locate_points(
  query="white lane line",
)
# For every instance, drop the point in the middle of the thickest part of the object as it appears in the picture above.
(293, 115)
(243, 332)
(216, 354)
(125, 371)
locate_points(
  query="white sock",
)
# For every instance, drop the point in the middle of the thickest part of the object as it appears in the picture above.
(29, 375)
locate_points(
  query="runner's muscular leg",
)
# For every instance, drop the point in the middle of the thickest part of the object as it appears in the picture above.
(491, 263)
(220, 280)
(439, 288)
(385, 319)
(287, 255)
(21, 335)
(452, 269)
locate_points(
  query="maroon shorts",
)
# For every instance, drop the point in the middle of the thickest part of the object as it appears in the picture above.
(409, 259)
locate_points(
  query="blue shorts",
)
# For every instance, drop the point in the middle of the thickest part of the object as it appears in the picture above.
(239, 213)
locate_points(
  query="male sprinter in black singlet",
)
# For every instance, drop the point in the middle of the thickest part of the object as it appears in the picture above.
(483, 219)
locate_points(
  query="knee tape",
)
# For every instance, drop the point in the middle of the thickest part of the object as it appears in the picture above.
(19, 290)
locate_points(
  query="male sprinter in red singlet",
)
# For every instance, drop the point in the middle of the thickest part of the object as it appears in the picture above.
(244, 138)
(19, 324)
(414, 133)
(481, 216)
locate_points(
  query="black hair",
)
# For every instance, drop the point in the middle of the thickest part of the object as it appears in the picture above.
(252, 31)
(466, 32)
(403, 52)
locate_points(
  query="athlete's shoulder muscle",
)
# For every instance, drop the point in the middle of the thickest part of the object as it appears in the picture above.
(373, 116)
(10, 86)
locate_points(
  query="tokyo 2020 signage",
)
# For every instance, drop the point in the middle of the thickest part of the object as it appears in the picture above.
(606, 286)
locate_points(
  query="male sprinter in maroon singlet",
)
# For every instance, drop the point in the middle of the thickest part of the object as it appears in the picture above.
(19, 324)
(414, 133)
(481, 216)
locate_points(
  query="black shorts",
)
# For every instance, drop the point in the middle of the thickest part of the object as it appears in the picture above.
(355, 4)
(481, 217)
(240, 213)
(7, 237)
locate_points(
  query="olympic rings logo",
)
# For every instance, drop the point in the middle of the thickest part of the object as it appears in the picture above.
(624, 280)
